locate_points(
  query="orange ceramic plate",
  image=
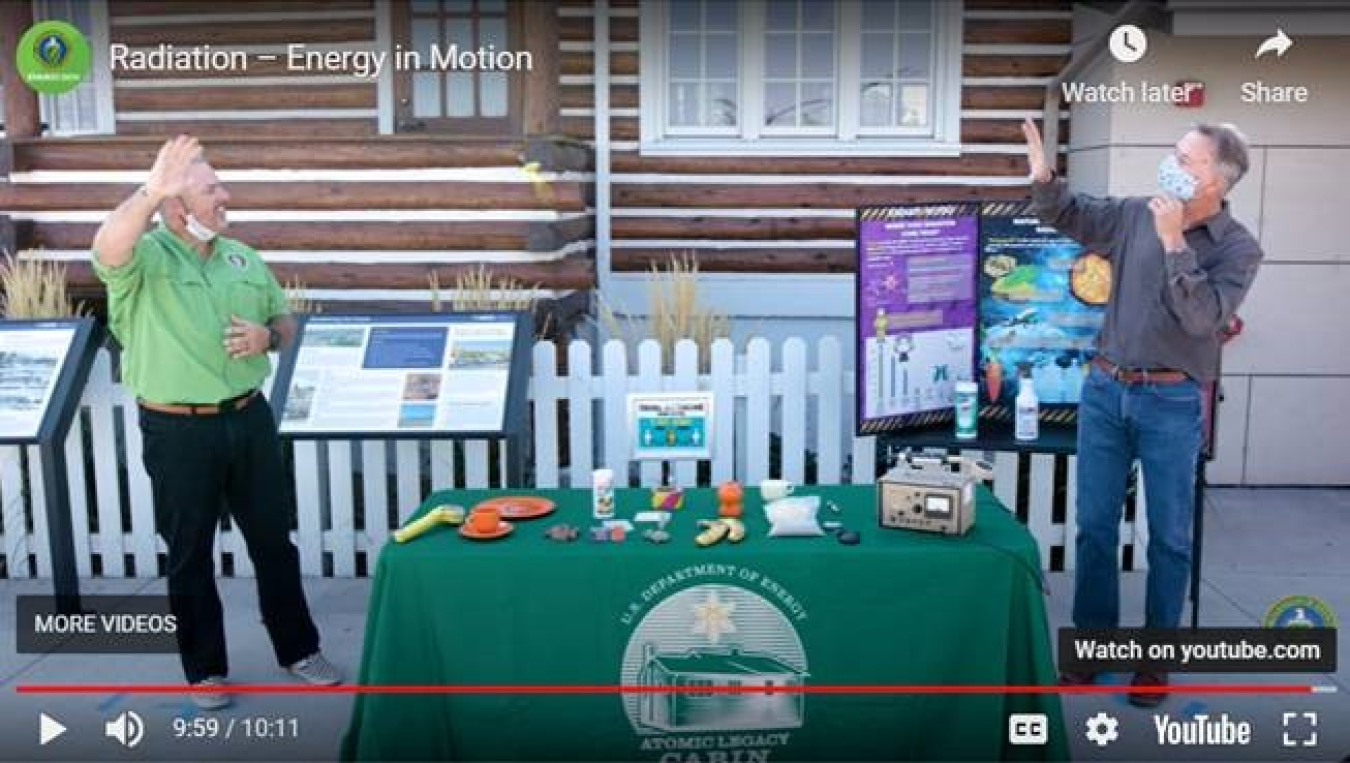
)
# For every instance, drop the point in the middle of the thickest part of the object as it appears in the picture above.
(519, 506)
(504, 529)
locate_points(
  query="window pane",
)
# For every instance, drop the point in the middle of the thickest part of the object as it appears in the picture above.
(492, 31)
(459, 6)
(879, 14)
(818, 55)
(878, 56)
(459, 32)
(492, 6)
(426, 94)
(720, 15)
(916, 14)
(684, 56)
(722, 104)
(913, 105)
(459, 95)
(425, 6)
(721, 56)
(876, 104)
(684, 104)
(780, 56)
(492, 93)
(684, 15)
(817, 104)
(780, 105)
(914, 56)
(425, 33)
(781, 15)
(818, 14)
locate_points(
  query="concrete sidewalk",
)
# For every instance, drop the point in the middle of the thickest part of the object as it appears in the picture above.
(1261, 545)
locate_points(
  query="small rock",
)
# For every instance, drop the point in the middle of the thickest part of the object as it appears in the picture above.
(849, 537)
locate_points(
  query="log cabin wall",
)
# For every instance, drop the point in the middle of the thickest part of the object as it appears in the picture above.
(733, 214)
(362, 218)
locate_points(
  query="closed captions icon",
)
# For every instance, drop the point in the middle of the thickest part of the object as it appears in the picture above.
(1028, 729)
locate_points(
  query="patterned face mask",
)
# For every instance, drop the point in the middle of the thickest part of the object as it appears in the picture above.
(1174, 181)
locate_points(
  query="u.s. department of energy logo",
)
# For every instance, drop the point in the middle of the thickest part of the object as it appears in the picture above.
(52, 57)
(719, 636)
(1299, 612)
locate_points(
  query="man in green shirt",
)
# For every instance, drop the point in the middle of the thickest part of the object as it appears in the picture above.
(196, 314)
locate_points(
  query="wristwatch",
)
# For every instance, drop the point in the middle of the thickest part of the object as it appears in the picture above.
(273, 339)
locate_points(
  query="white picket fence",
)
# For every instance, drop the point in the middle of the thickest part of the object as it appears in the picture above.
(792, 419)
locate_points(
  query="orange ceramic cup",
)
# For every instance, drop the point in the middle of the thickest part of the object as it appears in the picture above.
(484, 521)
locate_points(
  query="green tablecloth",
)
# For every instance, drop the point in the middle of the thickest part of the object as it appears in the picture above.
(901, 608)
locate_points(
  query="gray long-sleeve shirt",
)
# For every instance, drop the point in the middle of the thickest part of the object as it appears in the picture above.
(1166, 310)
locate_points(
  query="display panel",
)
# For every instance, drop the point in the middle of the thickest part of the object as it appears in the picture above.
(1041, 306)
(450, 374)
(32, 359)
(916, 311)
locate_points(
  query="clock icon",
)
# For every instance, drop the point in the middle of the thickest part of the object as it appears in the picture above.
(1128, 43)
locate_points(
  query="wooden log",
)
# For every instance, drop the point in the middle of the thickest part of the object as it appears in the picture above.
(805, 260)
(620, 128)
(1012, 66)
(797, 195)
(582, 28)
(251, 128)
(1004, 130)
(120, 8)
(273, 152)
(569, 196)
(559, 154)
(539, 84)
(21, 112)
(574, 62)
(256, 68)
(574, 272)
(348, 235)
(247, 33)
(1018, 31)
(979, 97)
(583, 96)
(318, 96)
(966, 164)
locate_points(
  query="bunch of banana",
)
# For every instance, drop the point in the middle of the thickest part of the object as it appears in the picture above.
(715, 530)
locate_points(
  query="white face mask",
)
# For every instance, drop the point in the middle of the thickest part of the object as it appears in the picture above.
(198, 231)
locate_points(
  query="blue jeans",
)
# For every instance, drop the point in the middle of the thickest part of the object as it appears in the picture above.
(1158, 424)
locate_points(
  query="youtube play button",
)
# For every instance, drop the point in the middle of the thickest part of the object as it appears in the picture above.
(48, 729)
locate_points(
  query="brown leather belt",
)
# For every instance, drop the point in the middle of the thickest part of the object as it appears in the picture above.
(234, 403)
(1142, 376)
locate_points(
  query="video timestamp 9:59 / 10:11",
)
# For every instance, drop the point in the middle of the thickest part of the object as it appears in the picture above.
(282, 727)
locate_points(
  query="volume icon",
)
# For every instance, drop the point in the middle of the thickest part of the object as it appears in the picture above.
(128, 729)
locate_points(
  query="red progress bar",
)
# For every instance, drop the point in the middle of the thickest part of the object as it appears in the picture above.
(619, 689)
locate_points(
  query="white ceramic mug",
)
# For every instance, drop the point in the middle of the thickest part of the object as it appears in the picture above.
(775, 490)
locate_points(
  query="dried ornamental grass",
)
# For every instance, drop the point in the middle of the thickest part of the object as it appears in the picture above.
(296, 300)
(480, 289)
(676, 313)
(32, 289)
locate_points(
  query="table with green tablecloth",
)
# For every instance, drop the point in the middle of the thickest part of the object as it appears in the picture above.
(901, 608)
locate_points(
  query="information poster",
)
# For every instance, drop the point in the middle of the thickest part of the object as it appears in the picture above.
(916, 311)
(670, 425)
(1041, 306)
(31, 359)
(400, 374)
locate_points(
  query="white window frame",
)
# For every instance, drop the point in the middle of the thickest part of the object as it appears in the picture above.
(100, 74)
(942, 139)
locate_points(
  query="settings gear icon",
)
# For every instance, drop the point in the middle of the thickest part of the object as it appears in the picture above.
(1102, 729)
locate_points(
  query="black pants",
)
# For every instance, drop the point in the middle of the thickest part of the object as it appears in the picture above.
(201, 466)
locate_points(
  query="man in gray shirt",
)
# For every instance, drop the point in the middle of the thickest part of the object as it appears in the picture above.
(1181, 265)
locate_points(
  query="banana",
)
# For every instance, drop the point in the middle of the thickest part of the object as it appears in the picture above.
(713, 533)
(735, 529)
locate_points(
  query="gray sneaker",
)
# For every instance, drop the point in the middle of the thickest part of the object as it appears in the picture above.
(211, 700)
(317, 670)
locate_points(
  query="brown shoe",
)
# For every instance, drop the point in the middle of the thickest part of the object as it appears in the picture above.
(1143, 680)
(1077, 678)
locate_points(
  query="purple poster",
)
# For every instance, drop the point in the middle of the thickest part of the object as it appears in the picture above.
(916, 311)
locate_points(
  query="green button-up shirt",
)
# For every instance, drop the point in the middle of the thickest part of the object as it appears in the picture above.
(169, 309)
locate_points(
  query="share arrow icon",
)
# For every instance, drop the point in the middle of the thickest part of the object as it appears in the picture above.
(48, 729)
(1279, 44)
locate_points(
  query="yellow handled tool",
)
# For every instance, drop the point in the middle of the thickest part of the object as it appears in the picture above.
(441, 515)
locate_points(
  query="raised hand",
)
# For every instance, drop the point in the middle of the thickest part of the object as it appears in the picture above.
(1036, 158)
(169, 175)
(1168, 221)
